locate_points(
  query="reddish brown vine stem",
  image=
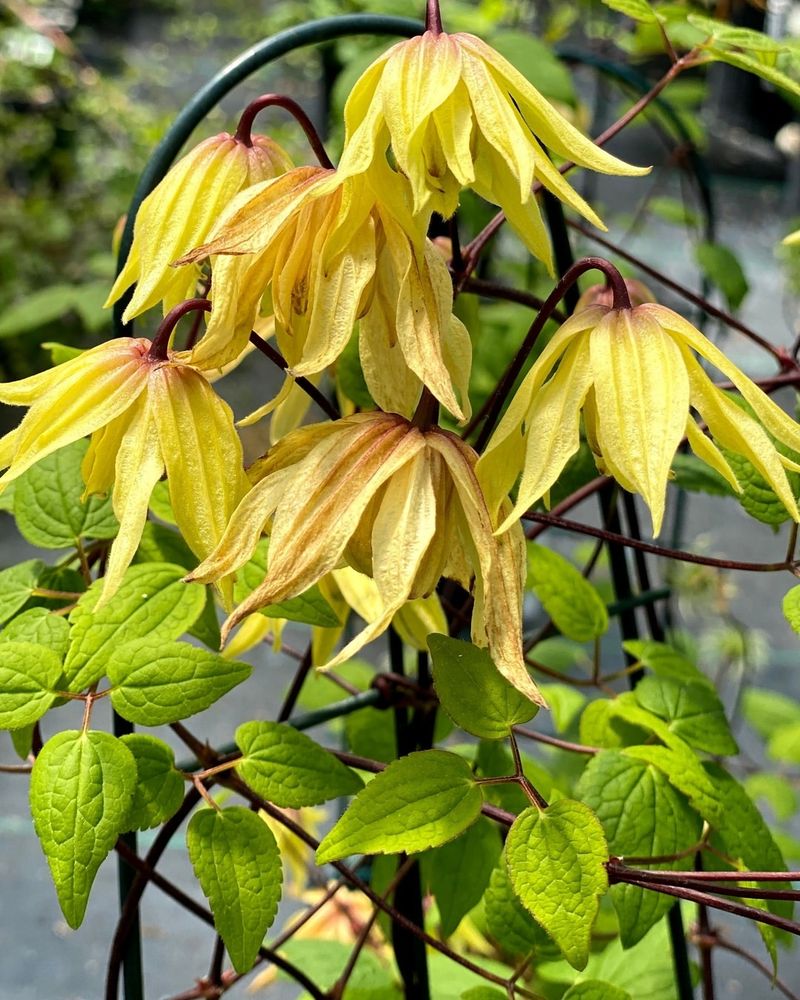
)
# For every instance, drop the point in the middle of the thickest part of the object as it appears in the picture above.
(657, 550)
(244, 131)
(159, 347)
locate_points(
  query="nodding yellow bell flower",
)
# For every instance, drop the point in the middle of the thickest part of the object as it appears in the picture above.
(396, 502)
(180, 211)
(146, 415)
(634, 374)
(328, 252)
(459, 115)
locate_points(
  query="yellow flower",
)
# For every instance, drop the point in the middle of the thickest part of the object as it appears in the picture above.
(329, 252)
(146, 415)
(457, 114)
(396, 502)
(180, 211)
(634, 374)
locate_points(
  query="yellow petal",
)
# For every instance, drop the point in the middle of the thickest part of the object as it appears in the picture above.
(545, 122)
(454, 125)
(774, 419)
(254, 630)
(202, 453)
(99, 463)
(416, 620)
(502, 461)
(642, 396)
(139, 467)
(737, 431)
(176, 216)
(553, 428)
(707, 451)
(89, 398)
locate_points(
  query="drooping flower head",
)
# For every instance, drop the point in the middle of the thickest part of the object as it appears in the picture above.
(458, 115)
(146, 415)
(178, 214)
(391, 500)
(634, 374)
(328, 252)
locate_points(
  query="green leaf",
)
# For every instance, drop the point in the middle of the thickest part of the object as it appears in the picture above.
(483, 993)
(768, 711)
(22, 740)
(236, 861)
(152, 602)
(459, 872)
(690, 473)
(664, 660)
(38, 309)
(565, 703)
(7, 498)
(774, 789)
(645, 971)
(741, 38)
(473, 692)
(29, 676)
(722, 268)
(159, 787)
(17, 584)
(676, 211)
(309, 608)
(81, 791)
(39, 626)
(508, 922)
(758, 498)
(693, 711)
(372, 732)
(555, 859)
(784, 744)
(160, 503)
(59, 353)
(593, 989)
(156, 682)
(289, 768)
(324, 961)
(791, 608)
(419, 801)
(642, 816)
(575, 606)
(162, 544)
(637, 10)
(47, 502)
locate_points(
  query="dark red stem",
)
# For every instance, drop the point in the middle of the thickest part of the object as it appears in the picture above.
(244, 133)
(159, 348)
(433, 17)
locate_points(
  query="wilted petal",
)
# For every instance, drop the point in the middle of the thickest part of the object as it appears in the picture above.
(499, 570)
(401, 534)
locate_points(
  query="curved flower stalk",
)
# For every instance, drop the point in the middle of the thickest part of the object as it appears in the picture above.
(458, 115)
(634, 374)
(180, 211)
(395, 502)
(146, 415)
(327, 252)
